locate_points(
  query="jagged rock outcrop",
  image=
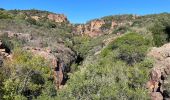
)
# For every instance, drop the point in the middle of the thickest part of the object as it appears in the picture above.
(160, 73)
(58, 18)
(58, 63)
(57, 66)
(96, 25)
(93, 28)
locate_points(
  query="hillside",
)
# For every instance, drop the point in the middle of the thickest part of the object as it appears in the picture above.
(45, 57)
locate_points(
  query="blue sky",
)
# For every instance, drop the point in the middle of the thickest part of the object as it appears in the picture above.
(80, 11)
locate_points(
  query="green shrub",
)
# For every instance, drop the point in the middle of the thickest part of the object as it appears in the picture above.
(27, 76)
(132, 47)
(5, 15)
(31, 21)
(161, 31)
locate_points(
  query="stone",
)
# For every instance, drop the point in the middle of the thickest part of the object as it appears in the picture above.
(156, 96)
(96, 25)
(113, 25)
(160, 71)
(58, 18)
(35, 17)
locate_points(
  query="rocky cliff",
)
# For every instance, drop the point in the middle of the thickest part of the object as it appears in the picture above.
(93, 28)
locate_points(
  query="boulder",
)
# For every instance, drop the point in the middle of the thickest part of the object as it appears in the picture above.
(156, 96)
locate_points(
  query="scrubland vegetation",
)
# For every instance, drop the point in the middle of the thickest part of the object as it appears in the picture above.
(118, 72)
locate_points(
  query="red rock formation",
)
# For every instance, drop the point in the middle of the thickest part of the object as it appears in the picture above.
(59, 18)
(113, 24)
(159, 72)
(96, 25)
(93, 28)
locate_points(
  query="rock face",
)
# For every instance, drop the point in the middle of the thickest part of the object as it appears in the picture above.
(93, 28)
(58, 18)
(160, 73)
(96, 25)
(58, 65)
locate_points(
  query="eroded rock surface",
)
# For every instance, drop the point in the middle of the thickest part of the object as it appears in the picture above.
(93, 28)
(159, 82)
(59, 66)
(59, 18)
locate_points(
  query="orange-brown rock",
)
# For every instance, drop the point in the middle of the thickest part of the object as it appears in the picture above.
(113, 24)
(59, 18)
(35, 17)
(79, 30)
(93, 28)
(160, 71)
(96, 25)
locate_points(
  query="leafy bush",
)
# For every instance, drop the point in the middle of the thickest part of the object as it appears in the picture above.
(132, 47)
(161, 31)
(27, 76)
(5, 15)
(31, 21)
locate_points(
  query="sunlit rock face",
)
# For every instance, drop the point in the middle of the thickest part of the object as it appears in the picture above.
(58, 18)
(93, 28)
(159, 82)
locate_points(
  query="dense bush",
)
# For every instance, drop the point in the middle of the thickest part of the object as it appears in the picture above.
(5, 15)
(106, 77)
(132, 47)
(161, 31)
(26, 76)
(31, 21)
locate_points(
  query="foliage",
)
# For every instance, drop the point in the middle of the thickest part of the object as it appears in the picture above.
(116, 71)
(26, 76)
(132, 47)
(161, 31)
(5, 15)
(109, 78)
